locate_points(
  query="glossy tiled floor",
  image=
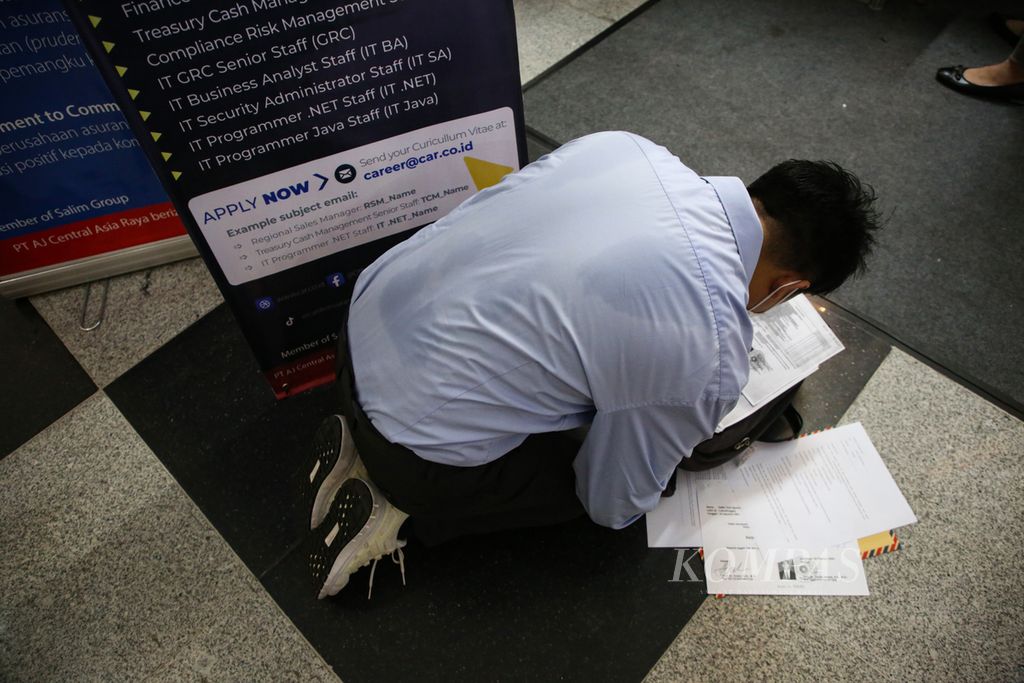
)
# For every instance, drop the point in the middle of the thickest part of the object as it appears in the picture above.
(151, 527)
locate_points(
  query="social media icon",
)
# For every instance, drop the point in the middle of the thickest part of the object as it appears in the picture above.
(290, 321)
(335, 280)
(265, 303)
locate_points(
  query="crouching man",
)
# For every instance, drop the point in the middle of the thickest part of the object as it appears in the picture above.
(605, 285)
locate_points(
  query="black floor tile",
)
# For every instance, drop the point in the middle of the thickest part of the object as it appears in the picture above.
(42, 380)
(576, 602)
(734, 87)
(828, 393)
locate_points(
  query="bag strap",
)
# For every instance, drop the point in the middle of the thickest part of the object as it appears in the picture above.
(796, 424)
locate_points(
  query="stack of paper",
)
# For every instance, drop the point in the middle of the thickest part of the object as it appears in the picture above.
(790, 342)
(785, 518)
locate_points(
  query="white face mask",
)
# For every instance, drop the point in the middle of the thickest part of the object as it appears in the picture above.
(753, 309)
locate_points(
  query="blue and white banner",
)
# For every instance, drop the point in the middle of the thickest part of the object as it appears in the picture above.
(74, 182)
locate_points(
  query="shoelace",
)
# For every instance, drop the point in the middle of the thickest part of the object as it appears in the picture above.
(400, 561)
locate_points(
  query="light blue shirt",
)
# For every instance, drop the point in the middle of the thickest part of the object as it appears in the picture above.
(606, 283)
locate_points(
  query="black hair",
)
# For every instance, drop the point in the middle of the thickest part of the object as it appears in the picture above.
(824, 220)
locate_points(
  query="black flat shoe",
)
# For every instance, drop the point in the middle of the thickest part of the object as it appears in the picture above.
(953, 77)
(998, 23)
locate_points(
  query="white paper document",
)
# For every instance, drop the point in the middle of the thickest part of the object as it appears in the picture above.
(818, 491)
(790, 342)
(675, 522)
(752, 571)
(736, 561)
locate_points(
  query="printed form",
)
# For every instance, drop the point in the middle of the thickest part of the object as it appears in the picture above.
(738, 562)
(790, 342)
(828, 488)
(783, 519)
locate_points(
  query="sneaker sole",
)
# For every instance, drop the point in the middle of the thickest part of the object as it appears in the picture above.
(334, 459)
(342, 559)
(338, 543)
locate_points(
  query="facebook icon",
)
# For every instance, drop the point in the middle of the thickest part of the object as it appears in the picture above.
(336, 280)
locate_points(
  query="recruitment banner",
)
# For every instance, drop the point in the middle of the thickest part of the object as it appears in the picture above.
(300, 139)
(74, 184)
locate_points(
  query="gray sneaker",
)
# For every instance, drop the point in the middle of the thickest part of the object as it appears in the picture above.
(360, 527)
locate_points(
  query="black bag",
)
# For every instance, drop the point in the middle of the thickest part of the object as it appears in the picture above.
(730, 442)
(764, 425)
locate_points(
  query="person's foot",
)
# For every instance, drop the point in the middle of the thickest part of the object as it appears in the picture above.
(1007, 72)
(1002, 81)
(333, 461)
(361, 527)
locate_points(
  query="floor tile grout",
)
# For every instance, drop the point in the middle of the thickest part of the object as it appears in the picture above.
(284, 556)
(47, 428)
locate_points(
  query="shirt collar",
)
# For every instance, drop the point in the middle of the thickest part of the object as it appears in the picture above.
(739, 210)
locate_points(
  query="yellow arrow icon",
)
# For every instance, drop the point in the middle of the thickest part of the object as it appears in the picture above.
(133, 93)
(95, 20)
(166, 155)
(156, 136)
(145, 115)
(121, 70)
(486, 173)
(108, 46)
(176, 174)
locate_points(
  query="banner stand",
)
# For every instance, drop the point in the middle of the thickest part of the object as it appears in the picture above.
(80, 198)
(300, 141)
